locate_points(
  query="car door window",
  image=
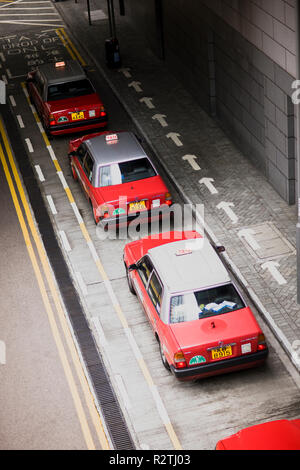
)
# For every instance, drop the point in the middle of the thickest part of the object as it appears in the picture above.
(145, 269)
(80, 153)
(154, 291)
(88, 166)
(39, 83)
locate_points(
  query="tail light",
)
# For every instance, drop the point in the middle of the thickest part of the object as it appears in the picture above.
(261, 342)
(52, 120)
(168, 199)
(179, 360)
(102, 111)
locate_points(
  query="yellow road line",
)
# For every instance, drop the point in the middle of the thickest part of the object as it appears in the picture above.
(45, 263)
(75, 50)
(55, 332)
(59, 34)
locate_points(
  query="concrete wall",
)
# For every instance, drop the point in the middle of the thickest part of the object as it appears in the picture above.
(238, 59)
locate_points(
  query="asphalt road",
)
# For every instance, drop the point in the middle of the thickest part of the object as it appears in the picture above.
(161, 413)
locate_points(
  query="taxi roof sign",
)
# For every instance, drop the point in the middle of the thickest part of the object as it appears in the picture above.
(182, 252)
(111, 138)
(60, 64)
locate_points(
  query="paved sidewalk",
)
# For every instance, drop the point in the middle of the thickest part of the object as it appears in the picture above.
(242, 211)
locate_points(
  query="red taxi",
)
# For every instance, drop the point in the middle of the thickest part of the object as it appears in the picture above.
(282, 434)
(118, 178)
(65, 99)
(200, 320)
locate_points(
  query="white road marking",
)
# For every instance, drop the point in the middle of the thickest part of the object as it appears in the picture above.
(192, 161)
(76, 212)
(20, 121)
(123, 391)
(51, 204)
(125, 71)
(248, 235)
(148, 102)
(136, 86)
(272, 267)
(65, 240)
(12, 100)
(161, 119)
(208, 183)
(29, 145)
(27, 23)
(62, 179)
(175, 137)
(226, 206)
(81, 283)
(39, 173)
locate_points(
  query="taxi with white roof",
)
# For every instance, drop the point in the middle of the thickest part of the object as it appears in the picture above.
(201, 321)
(118, 178)
(65, 98)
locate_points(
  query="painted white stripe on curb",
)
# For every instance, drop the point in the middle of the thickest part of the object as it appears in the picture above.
(77, 213)
(65, 241)
(62, 179)
(12, 100)
(123, 391)
(52, 205)
(29, 145)
(39, 173)
(20, 121)
(100, 331)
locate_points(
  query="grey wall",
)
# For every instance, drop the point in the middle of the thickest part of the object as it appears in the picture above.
(233, 75)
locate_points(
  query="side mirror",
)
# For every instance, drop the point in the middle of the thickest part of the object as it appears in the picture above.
(72, 154)
(220, 248)
(132, 267)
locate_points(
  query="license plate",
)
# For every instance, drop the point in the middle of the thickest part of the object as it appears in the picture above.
(76, 116)
(221, 352)
(137, 206)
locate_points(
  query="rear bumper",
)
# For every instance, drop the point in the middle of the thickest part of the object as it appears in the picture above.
(139, 217)
(221, 367)
(77, 126)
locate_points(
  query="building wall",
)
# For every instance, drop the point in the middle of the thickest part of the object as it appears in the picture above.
(238, 59)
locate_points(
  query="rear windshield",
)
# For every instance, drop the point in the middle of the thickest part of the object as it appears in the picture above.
(62, 91)
(118, 173)
(205, 303)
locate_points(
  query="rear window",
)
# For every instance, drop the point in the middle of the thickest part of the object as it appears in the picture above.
(125, 172)
(205, 303)
(62, 91)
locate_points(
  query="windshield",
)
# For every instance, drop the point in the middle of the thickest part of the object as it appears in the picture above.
(205, 303)
(62, 91)
(125, 172)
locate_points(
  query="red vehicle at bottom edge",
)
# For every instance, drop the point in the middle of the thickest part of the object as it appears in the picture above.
(200, 320)
(282, 434)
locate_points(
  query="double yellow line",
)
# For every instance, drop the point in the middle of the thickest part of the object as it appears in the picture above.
(14, 181)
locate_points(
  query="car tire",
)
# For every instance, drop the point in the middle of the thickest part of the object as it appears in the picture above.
(163, 357)
(129, 282)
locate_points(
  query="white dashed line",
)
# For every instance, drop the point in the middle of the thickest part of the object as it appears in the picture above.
(12, 100)
(65, 241)
(52, 205)
(20, 121)
(29, 145)
(39, 173)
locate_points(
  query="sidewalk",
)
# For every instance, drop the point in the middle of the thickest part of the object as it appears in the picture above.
(242, 211)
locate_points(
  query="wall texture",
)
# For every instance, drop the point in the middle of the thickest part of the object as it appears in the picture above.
(237, 57)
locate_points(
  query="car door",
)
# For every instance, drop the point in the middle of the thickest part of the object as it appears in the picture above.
(37, 93)
(154, 290)
(140, 278)
(85, 165)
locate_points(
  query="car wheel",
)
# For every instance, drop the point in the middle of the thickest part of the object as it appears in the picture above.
(130, 286)
(163, 357)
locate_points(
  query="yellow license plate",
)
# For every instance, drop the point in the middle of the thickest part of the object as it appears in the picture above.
(76, 116)
(137, 206)
(221, 352)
